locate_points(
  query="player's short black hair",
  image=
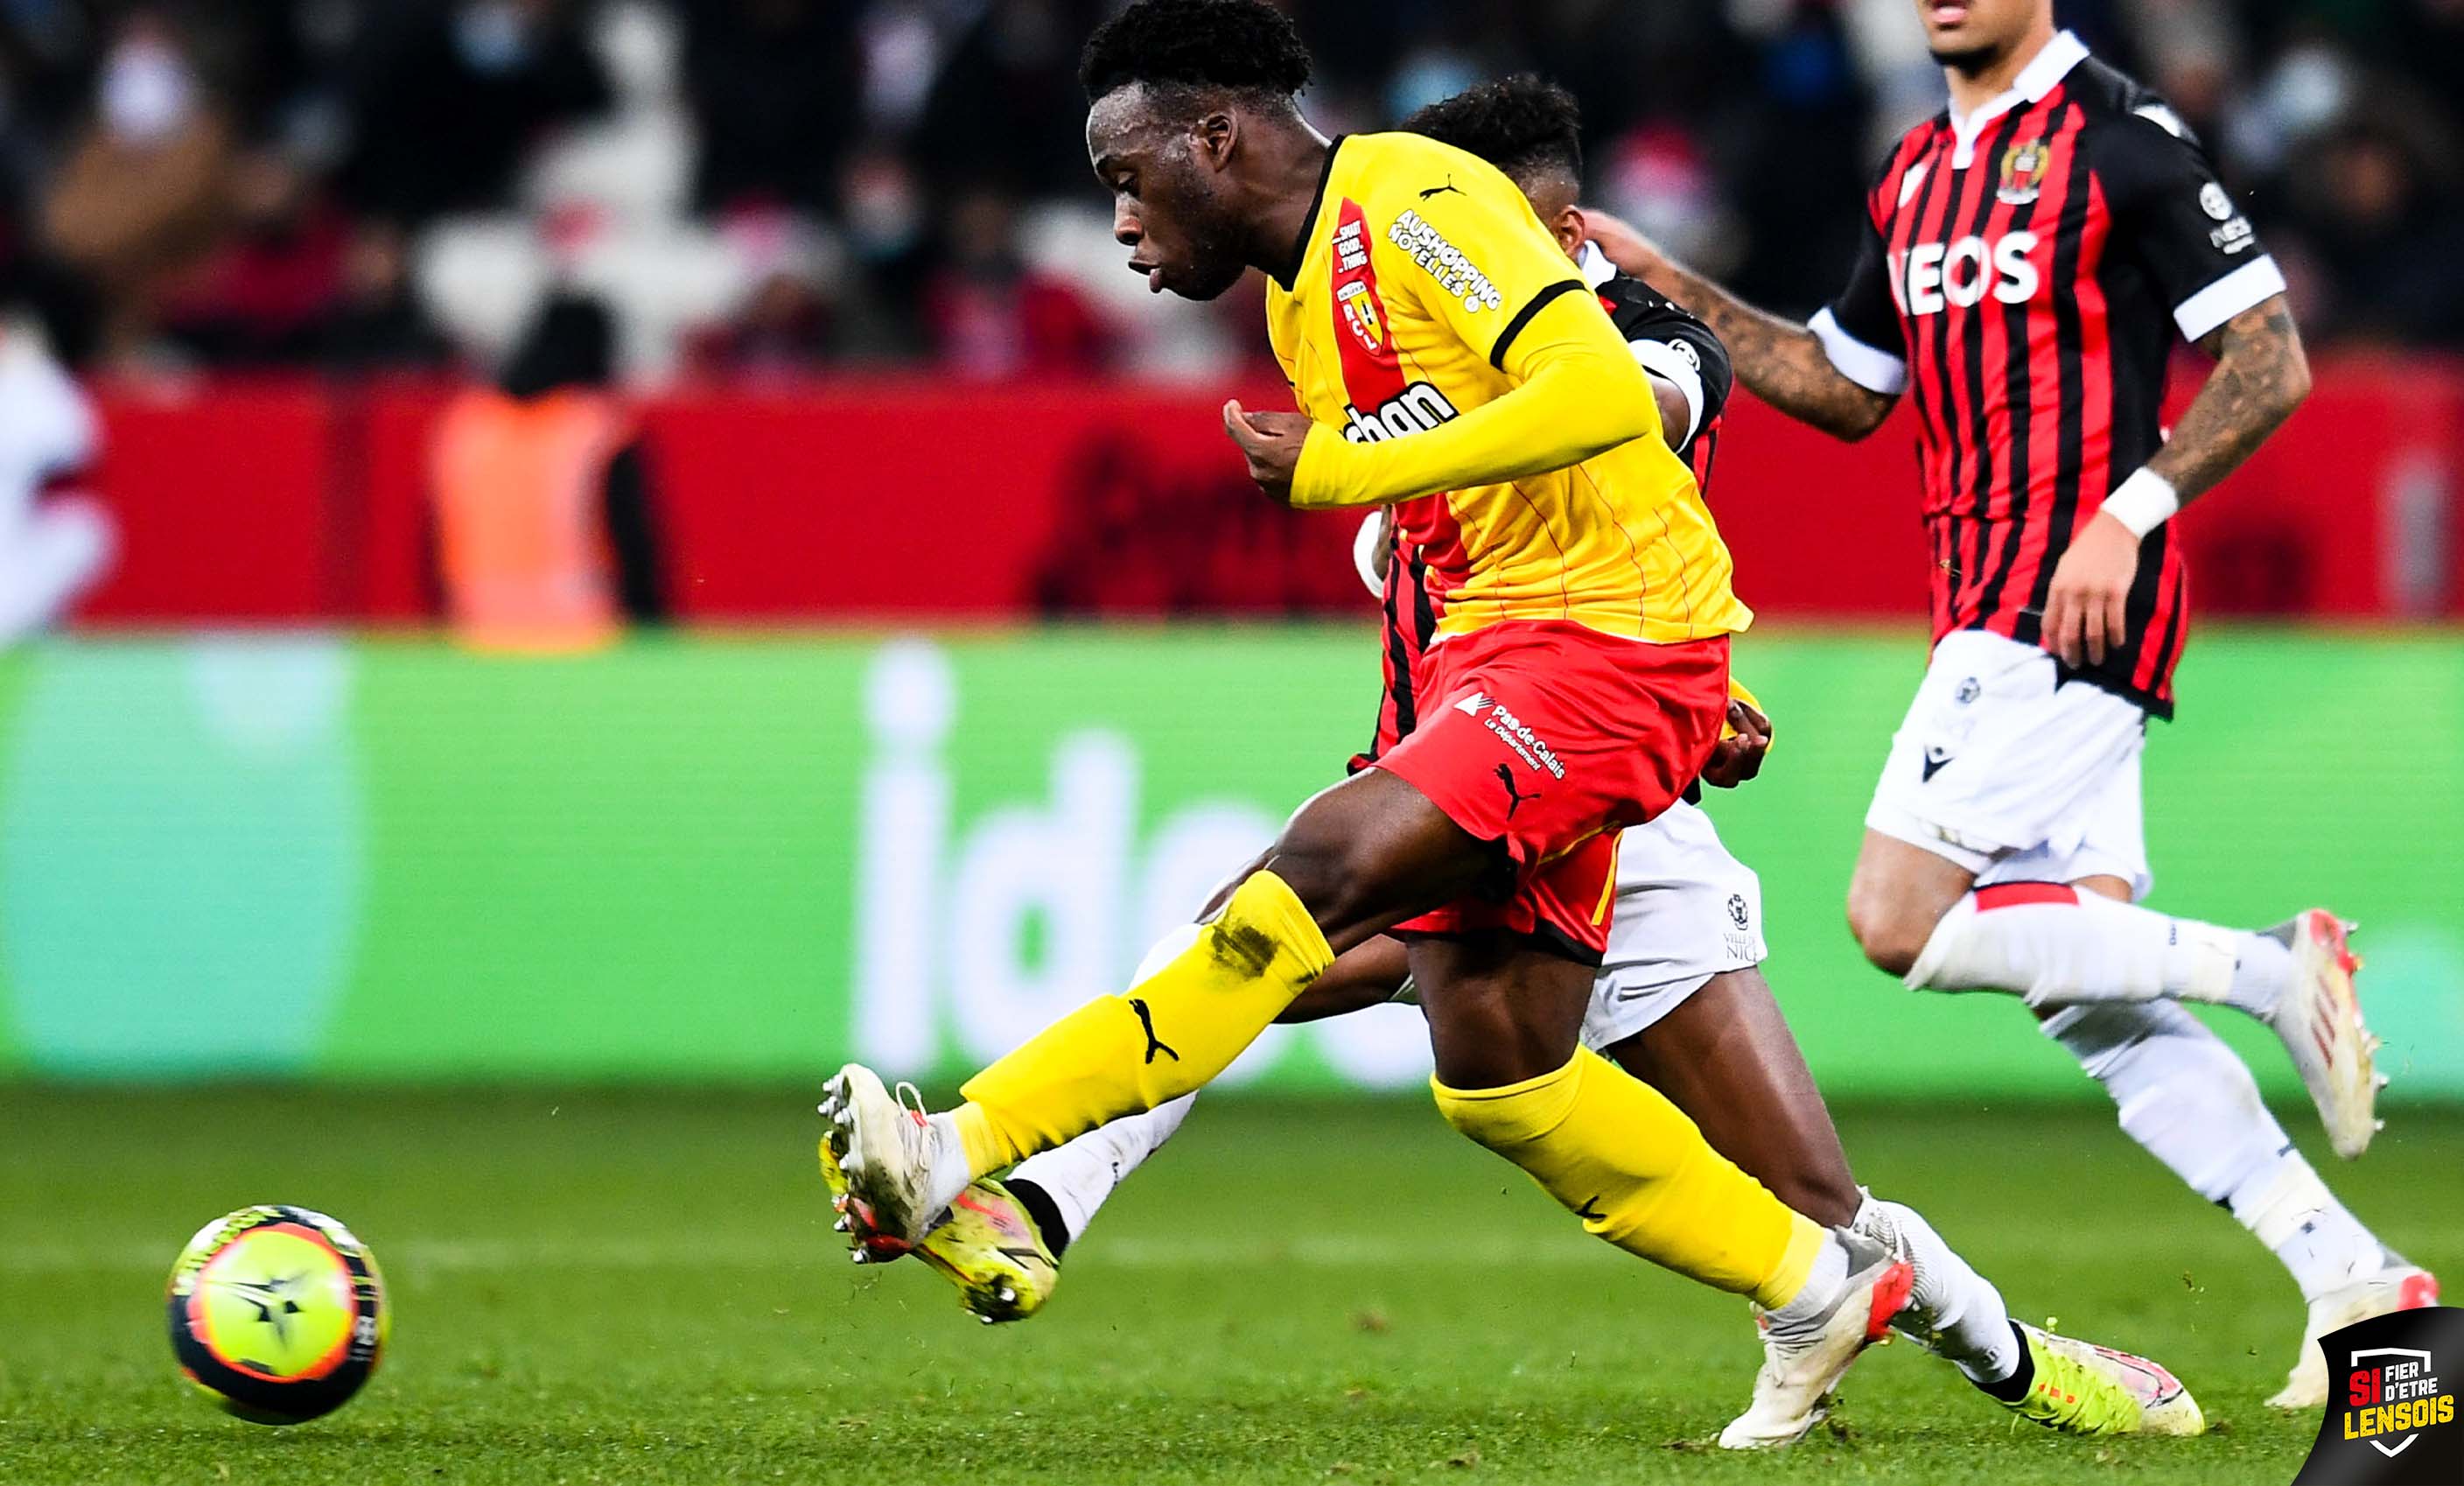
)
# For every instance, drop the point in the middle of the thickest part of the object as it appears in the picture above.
(1521, 124)
(1196, 46)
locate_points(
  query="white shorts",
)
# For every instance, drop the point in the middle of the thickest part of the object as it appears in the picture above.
(2012, 777)
(1685, 911)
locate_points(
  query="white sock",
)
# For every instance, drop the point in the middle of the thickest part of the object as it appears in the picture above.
(2056, 945)
(1953, 1309)
(1822, 1290)
(1079, 1175)
(2195, 1106)
(951, 1174)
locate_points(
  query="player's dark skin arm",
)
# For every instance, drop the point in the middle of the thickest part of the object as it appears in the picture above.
(2261, 375)
(1779, 359)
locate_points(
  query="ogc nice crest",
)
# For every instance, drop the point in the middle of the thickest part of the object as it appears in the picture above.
(2391, 1411)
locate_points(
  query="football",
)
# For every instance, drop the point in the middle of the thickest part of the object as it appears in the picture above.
(277, 1314)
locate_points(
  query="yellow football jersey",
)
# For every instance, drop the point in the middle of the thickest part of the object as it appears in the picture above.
(1420, 265)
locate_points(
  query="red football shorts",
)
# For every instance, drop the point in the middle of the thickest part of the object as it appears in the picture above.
(1550, 738)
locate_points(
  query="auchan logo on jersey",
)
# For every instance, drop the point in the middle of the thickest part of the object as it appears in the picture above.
(1416, 409)
(1933, 277)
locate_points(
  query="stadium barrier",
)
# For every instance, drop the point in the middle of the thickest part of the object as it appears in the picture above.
(748, 857)
(922, 501)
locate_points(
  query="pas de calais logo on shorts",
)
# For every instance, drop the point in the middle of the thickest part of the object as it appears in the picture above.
(1527, 745)
(2390, 1421)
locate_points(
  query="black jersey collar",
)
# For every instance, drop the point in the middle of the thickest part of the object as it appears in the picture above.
(1309, 223)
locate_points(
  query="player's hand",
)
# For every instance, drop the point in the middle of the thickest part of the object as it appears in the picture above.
(2084, 608)
(1739, 756)
(1271, 442)
(1629, 251)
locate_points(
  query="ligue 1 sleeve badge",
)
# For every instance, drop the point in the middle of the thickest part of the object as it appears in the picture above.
(2391, 1402)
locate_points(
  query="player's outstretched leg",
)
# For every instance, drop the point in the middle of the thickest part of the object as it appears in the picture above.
(1116, 1055)
(2060, 945)
(1639, 1174)
(1361, 855)
(1003, 1241)
(2071, 1386)
(1926, 918)
(2184, 1096)
(1724, 1053)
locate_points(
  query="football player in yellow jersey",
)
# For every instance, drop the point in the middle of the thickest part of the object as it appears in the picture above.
(1678, 1002)
(1452, 365)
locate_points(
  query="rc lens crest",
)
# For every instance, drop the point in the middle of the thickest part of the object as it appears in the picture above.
(1359, 306)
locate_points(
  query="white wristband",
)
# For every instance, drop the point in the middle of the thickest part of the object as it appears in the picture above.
(1365, 552)
(2141, 501)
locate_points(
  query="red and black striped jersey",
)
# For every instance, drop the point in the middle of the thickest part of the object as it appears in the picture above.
(1673, 345)
(1670, 343)
(2023, 274)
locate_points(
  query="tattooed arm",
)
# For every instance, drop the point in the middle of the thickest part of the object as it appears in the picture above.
(2261, 375)
(1782, 361)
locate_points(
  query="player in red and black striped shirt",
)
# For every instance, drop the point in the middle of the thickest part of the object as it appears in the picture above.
(2031, 252)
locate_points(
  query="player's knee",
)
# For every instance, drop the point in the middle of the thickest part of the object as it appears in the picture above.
(1891, 937)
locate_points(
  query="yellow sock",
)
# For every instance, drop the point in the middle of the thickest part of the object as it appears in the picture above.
(1640, 1175)
(1171, 1033)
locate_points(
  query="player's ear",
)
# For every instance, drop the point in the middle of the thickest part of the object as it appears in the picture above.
(1571, 231)
(1217, 132)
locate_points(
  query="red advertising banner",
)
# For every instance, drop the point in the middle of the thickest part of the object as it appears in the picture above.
(914, 500)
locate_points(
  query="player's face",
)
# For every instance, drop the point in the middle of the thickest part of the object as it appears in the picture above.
(1171, 205)
(1975, 33)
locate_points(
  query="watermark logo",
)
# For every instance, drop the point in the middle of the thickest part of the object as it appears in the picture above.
(2390, 1418)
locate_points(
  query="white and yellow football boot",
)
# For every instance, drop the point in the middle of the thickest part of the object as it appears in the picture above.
(2082, 1389)
(1802, 1368)
(986, 1244)
(887, 1150)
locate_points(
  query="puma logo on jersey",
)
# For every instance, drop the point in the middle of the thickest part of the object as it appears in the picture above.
(1515, 796)
(1933, 277)
(1416, 409)
(1440, 190)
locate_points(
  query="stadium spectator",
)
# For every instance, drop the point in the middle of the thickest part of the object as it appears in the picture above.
(142, 192)
(545, 539)
(2390, 236)
(132, 142)
(376, 322)
(775, 87)
(449, 101)
(262, 297)
(994, 316)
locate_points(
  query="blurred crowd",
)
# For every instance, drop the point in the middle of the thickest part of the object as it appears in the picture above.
(759, 188)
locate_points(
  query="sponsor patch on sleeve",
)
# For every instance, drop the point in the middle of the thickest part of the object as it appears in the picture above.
(1442, 261)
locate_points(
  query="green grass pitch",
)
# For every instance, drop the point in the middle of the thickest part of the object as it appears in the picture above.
(594, 1286)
